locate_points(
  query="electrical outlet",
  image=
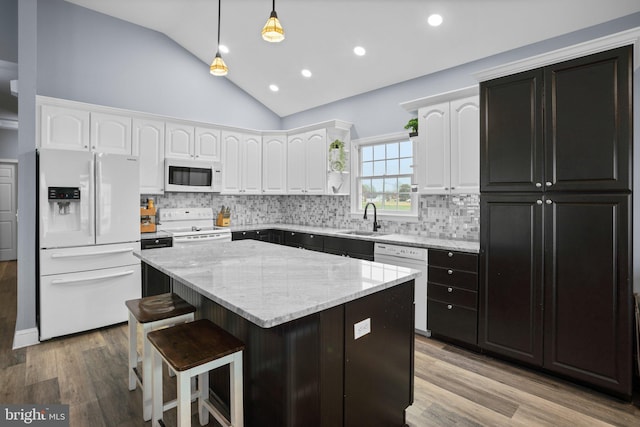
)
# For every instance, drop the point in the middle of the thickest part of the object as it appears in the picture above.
(362, 328)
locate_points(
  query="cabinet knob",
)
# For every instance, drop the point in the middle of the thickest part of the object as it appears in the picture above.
(539, 202)
(449, 271)
(311, 235)
(244, 233)
(450, 254)
(449, 290)
(548, 184)
(449, 307)
(548, 201)
(453, 188)
(538, 184)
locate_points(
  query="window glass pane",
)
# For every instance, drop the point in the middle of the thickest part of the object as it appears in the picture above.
(405, 166)
(378, 152)
(406, 149)
(378, 167)
(367, 153)
(392, 150)
(367, 169)
(404, 185)
(392, 167)
(391, 185)
(376, 185)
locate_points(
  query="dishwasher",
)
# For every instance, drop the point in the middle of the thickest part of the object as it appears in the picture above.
(416, 258)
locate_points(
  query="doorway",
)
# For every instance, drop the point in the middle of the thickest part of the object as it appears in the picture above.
(8, 210)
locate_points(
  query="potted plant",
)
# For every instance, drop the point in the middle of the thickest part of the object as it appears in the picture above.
(413, 125)
(336, 156)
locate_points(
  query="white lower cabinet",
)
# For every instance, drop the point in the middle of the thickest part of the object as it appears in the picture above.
(307, 162)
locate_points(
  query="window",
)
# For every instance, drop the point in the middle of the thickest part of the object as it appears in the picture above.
(385, 174)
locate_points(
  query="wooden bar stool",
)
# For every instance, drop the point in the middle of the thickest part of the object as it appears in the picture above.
(151, 313)
(193, 349)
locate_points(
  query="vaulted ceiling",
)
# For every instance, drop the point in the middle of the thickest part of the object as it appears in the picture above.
(321, 36)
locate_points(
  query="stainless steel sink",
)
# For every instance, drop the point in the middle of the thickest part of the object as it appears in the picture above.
(363, 233)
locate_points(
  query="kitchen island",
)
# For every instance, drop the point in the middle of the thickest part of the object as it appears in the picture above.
(329, 339)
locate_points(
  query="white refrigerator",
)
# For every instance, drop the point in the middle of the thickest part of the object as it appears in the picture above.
(88, 230)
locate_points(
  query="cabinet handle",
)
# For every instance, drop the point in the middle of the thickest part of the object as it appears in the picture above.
(449, 271)
(449, 290)
(538, 184)
(449, 307)
(450, 254)
(548, 202)
(548, 183)
(446, 188)
(453, 188)
(539, 202)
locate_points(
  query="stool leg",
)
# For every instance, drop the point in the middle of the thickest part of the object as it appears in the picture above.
(203, 394)
(133, 351)
(156, 383)
(146, 373)
(235, 371)
(184, 398)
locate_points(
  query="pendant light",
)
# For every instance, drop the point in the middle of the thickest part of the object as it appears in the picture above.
(218, 67)
(273, 31)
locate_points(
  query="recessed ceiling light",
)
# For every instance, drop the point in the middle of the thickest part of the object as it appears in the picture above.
(223, 48)
(359, 50)
(274, 88)
(434, 20)
(306, 73)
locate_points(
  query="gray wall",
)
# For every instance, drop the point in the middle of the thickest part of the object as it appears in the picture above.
(87, 56)
(9, 30)
(8, 144)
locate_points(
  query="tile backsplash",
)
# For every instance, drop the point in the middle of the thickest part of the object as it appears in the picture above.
(447, 217)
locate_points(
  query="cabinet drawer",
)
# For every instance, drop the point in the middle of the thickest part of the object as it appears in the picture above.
(452, 295)
(455, 260)
(452, 321)
(451, 277)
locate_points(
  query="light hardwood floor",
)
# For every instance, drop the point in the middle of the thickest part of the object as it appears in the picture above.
(453, 387)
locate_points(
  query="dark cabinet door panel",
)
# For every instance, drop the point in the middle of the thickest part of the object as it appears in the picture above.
(451, 277)
(510, 308)
(588, 122)
(452, 295)
(511, 132)
(452, 321)
(455, 260)
(588, 309)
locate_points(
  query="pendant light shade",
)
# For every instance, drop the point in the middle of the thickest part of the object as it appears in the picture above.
(272, 30)
(218, 67)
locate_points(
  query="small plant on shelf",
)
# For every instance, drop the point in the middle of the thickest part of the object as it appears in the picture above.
(413, 125)
(336, 156)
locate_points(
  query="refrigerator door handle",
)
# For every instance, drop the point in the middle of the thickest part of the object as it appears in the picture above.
(89, 279)
(92, 201)
(114, 251)
(98, 216)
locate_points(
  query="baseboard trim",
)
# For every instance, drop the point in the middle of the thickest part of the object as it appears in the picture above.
(25, 338)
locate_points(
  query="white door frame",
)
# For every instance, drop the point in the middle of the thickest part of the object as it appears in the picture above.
(12, 252)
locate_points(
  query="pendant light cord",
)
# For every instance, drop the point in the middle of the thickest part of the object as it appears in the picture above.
(273, 7)
(218, 47)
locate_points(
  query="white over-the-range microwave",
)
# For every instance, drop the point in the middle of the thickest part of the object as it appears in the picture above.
(192, 175)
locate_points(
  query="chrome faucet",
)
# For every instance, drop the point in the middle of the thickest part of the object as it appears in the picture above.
(376, 226)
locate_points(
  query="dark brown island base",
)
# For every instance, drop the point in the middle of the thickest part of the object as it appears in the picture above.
(340, 356)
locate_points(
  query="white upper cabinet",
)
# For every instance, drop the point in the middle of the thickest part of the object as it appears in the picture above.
(242, 163)
(207, 144)
(148, 145)
(64, 128)
(307, 162)
(274, 164)
(110, 133)
(465, 145)
(179, 141)
(448, 147)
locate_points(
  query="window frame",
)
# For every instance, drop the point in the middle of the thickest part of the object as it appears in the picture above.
(356, 206)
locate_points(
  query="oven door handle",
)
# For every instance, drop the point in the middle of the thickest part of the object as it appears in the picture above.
(185, 239)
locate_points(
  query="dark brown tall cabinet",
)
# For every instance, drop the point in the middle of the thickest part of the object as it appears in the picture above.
(555, 210)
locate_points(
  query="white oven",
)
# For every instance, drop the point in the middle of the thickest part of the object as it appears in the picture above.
(192, 226)
(192, 175)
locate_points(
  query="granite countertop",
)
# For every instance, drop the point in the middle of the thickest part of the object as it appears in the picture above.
(394, 238)
(272, 284)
